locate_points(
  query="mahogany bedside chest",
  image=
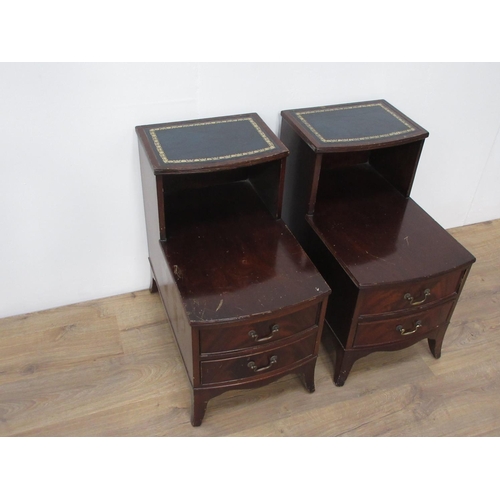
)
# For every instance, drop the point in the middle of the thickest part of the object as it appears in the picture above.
(395, 274)
(245, 303)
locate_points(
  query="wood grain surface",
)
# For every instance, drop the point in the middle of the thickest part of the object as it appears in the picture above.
(110, 367)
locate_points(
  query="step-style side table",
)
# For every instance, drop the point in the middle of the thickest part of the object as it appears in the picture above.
(395, 273)
(245, 303)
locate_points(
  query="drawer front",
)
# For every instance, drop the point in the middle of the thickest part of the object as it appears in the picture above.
(408, 296)
(399, 328)
(231, 338)
(257, 365)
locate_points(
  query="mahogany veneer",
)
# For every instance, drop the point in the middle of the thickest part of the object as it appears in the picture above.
(395, 273)
(245, 302)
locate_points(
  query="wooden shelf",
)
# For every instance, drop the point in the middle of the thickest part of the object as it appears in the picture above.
(378, 235)
(225, 250)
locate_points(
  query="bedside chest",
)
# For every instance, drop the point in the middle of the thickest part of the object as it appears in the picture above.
(245, 303)
(395, 274)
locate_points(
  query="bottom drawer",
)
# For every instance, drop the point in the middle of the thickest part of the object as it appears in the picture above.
(396, 329)
(258, 364)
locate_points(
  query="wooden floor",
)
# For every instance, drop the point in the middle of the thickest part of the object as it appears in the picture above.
(111, 368)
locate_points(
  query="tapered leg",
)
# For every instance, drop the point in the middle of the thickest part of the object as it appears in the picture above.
(436, 344)
(198, 407)
(343, 364)
(307, 376)
(153, 287)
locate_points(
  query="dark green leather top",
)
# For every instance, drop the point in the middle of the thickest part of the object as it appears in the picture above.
(351, 125)
(221, 141)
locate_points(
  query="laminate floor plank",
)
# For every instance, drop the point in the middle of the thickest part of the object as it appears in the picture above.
(53, 398)
(134, 310)
(57, 349)
(111, 367)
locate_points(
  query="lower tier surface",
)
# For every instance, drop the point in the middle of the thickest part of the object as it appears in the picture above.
(376, 234)
(232, 260)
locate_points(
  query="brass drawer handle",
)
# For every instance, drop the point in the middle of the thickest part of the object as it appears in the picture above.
(272, 361)
(402, 331)
(409, 298)
(253, 334)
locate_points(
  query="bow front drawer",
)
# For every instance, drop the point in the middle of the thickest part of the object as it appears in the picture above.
(244, 336)
(397, 328)
(407, 296)
(260, 364)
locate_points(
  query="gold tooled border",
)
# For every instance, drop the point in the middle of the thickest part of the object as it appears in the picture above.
(163, 156)
(353, 139)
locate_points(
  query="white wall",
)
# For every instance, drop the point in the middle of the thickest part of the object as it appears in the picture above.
(71, 216)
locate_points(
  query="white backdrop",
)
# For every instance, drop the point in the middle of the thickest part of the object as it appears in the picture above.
(71, 216)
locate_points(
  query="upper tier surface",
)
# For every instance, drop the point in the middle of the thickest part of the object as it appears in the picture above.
(353, 126)
(209, 144)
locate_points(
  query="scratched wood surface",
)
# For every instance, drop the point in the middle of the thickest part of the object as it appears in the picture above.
(110, 367)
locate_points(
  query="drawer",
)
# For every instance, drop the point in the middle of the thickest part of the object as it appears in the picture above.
(231, 338)
(399, 328)
(257, 365)
(407, 296)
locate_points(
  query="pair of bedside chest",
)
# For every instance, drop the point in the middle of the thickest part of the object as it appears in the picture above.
(253, 242)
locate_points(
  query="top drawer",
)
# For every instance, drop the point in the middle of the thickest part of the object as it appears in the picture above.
(230, 338)
(407, 296)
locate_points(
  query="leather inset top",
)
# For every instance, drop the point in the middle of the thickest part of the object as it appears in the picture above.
(354, 123)
(210, 141)
(214, 143)
(360, 125)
